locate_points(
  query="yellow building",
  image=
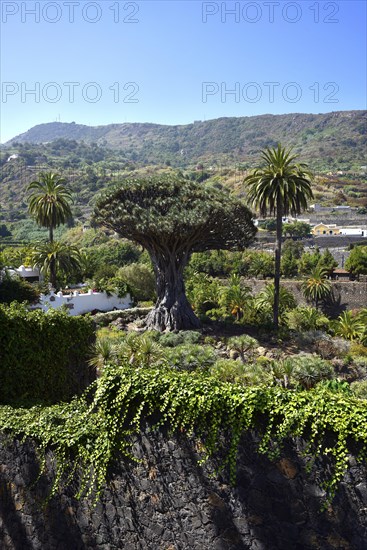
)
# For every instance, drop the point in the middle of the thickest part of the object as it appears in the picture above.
(324, 229)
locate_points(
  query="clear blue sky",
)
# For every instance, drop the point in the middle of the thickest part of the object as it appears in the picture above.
(174, 62)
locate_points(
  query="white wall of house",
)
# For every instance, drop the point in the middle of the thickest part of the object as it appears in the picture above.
(28, 272)
(78, 304)
(354, 231)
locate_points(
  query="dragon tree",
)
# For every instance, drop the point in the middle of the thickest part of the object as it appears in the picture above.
(172, 218)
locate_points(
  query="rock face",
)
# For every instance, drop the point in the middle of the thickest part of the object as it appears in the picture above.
(167, 502)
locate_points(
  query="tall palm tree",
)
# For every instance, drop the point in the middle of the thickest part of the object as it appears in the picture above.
(49, 202)
(280, 187)
(53, 256)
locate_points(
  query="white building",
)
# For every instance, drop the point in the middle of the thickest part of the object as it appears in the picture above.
(28, 273)
(78, 304)
(353, 231)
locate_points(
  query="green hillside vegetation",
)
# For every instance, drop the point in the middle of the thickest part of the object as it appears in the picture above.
(218, 151)
(330, 140)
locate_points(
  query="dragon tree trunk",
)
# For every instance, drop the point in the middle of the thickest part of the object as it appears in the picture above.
(172, 310)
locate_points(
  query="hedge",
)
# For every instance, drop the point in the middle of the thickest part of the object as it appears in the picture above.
(43, 356)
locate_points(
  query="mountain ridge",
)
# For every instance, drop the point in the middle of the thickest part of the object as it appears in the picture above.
(103, 128)
(341, 133)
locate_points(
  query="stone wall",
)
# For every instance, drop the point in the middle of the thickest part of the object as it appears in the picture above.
(167, 502)
(347, 294)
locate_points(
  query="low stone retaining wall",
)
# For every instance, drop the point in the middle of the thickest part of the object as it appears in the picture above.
(167, 502)
(347, 294)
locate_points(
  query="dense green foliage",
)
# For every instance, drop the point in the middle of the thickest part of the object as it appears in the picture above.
(17, 289)
(357, 261)
(40, 353)
(94, 430)
(296, 229)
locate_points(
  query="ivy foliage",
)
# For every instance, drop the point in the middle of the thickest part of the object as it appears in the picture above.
(93, 430)
(41, 353)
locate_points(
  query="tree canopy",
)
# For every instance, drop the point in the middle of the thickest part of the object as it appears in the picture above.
(172, 217)
(357, 261)
(177, 214)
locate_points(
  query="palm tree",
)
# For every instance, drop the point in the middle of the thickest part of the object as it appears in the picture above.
(49, 202)
(53, 256)
(279, 187)
(317, 287)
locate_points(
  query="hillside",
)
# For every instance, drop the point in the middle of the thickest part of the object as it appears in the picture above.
(219, 151)
(327, 141)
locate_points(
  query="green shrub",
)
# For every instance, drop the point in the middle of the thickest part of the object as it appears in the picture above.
(190, 357)
(336, 386)
(304, 318)
(358, 349)
(228, 370)
(140, 279)
(251, 374)
(329, 347)
(14, 289)
(43, 356)
(173, 339)
(359, 388)
(310, 369)
(203, 292)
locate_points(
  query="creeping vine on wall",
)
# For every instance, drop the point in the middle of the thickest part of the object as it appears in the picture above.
(93, 430)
